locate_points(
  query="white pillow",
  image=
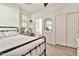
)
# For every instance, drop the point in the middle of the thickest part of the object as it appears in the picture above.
(1, 35)
(15, 33)
(11, 33)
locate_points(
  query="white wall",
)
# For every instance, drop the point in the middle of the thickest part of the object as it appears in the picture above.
(60, 12)
(52, 34)
(60, 30)
(9, 15)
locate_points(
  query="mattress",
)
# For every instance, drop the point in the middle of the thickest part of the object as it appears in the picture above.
(13, 41)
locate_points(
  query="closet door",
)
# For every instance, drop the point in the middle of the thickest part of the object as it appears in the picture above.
(72, 29)
(61, 30)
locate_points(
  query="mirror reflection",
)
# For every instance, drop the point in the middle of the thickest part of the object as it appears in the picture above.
(48, 25)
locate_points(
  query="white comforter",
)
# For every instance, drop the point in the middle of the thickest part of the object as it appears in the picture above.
(9, 42)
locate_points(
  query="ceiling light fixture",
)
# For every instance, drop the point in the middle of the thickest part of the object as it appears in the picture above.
(45, 4)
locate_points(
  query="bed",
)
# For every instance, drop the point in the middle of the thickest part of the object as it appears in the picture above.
(15, 44)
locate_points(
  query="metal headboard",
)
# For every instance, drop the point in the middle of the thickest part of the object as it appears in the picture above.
(8, 28)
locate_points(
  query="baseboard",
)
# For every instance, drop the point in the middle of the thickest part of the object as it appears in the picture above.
(50, 43)
(61, 45)
(66, 46)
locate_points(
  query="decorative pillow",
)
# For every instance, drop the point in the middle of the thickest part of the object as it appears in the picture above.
(11, 33)
(1, 35)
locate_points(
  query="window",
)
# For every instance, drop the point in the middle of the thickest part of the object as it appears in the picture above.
(25, 20)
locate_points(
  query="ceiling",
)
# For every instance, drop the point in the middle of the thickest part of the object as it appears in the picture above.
(32, 7)
(35, 7)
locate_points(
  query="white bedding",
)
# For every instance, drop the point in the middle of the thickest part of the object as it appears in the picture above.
(9, 42)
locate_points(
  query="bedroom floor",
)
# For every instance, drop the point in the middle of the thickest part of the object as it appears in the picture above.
(56, 50)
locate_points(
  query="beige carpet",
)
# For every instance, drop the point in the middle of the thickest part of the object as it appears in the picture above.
(56, 50)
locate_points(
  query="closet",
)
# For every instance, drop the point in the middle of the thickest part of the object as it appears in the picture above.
(67, 29)
(72, 29)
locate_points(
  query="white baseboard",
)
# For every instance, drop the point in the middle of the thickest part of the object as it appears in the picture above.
(50, 42)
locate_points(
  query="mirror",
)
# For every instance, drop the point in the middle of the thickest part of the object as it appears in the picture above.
(48, 23)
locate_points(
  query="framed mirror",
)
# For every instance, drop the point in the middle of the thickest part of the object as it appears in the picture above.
(48, 25)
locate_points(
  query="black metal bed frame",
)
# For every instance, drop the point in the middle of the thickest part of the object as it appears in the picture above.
(13, 48)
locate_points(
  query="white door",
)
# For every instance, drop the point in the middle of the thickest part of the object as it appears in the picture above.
(61, 30)
(38, 27)
(72, 29)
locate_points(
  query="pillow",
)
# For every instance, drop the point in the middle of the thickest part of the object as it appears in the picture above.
(14, 33)
(1, 35)
(11, 33)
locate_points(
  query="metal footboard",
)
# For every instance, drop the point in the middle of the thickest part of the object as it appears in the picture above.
(13, 48)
